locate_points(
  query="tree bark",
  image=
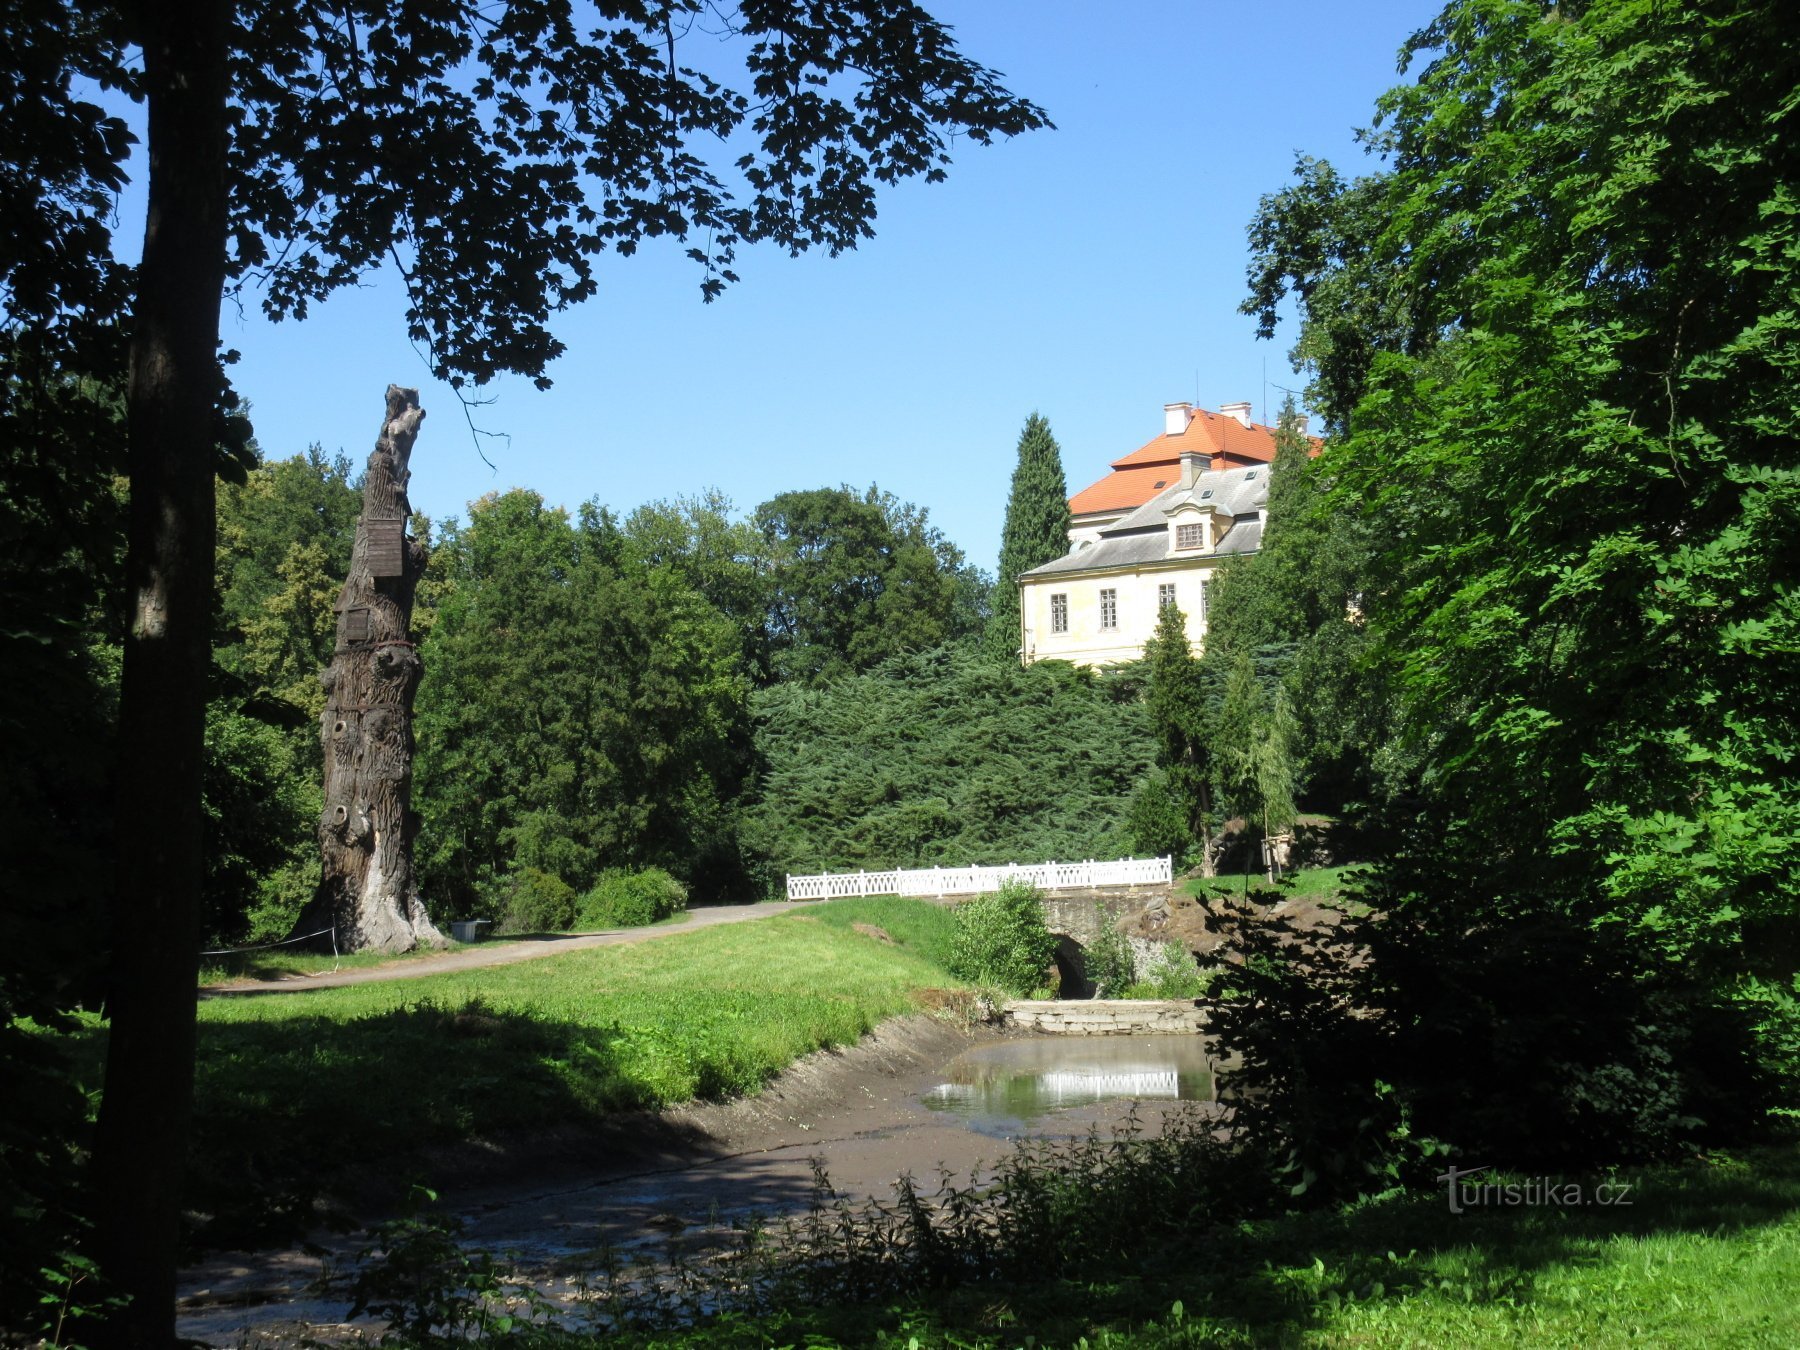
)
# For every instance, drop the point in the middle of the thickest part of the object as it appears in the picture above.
(367, 895)
(140, 1148)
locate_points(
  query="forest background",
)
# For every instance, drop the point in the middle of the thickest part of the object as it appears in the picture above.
(1529, 618)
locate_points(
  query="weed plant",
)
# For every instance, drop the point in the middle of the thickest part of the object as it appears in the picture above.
(1707, 1253)
(1174, 973)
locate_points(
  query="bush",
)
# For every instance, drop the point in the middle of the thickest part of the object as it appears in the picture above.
(1002, 941)
(1175, 974)
(1108, 961)
(537, 902)
(622, 899)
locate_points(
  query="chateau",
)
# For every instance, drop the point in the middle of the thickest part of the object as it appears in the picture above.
(1149, 534)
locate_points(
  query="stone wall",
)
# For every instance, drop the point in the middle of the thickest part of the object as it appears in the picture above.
(1081, 915)
(1105, 1017)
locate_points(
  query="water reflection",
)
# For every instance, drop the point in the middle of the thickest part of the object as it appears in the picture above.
(1008, 1084)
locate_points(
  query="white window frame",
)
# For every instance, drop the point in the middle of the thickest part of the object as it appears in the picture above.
(1165, 595)
(1109, 609)
(1190, 531)
(1059, 612)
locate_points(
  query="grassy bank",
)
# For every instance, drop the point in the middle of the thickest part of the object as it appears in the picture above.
(298, 1091)
(1702, 1255)
(1325, 885)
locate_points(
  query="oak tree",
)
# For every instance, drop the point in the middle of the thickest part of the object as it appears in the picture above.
(489, 153)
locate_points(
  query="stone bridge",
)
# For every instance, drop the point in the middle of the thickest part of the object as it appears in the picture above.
(1079, 916)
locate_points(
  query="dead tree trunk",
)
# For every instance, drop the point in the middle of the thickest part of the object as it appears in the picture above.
(367, 895)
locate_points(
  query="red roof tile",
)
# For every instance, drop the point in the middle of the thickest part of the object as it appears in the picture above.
(1124, 489)
(1135, 478)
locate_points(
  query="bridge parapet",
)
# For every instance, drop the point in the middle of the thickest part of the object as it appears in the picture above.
(944, 882)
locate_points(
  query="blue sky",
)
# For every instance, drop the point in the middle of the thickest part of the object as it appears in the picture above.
(1091, 273)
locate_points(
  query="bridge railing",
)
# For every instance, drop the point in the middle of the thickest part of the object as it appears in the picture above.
(944, 881)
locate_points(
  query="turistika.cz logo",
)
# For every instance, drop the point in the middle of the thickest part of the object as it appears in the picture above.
(1532, 1191)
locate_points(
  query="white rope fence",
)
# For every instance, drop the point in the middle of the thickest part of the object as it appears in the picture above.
(944, 881)
(285, 942)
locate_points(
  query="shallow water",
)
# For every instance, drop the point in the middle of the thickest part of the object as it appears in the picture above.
(1008, 1087)
(882, 1126)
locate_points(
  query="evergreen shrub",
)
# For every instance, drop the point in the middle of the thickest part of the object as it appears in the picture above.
(537, 902)
(624, 899)
(1002, 941)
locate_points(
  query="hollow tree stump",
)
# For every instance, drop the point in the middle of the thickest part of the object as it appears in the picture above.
(367, 894)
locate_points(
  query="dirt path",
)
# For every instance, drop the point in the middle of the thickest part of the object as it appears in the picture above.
(505, 952)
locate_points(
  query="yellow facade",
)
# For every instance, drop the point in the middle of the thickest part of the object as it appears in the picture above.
(1086, 640)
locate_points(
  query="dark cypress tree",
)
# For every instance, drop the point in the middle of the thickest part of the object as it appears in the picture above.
(1037, 529)
(1183, 724)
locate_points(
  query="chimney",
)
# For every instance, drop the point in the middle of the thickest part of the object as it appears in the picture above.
(1193, 464)
(1241, 411)
(1176, 417)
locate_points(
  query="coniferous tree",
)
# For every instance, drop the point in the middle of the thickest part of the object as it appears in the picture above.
(1036, 530)
(1181, 723)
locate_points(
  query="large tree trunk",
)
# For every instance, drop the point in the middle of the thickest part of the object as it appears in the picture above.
(367, 896)
(140, 1148)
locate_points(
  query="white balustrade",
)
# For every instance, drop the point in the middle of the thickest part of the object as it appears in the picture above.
(945, 881)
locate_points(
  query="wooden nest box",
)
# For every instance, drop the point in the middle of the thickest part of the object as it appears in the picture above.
(387, 547)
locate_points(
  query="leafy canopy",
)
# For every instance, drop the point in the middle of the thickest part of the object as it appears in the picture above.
(494, 152)
(1558, 333)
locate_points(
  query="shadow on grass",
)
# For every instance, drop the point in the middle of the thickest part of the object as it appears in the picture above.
(308, 1120)
(1281, 1281)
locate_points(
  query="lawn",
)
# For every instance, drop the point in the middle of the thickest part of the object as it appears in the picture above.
(1326, 885)
(278, 963)
(1705, 1254)
(298, 1092)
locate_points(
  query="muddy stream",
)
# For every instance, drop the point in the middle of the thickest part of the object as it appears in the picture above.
(916, 1098)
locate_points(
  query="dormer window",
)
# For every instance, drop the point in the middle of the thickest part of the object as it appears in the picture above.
(1189, 536)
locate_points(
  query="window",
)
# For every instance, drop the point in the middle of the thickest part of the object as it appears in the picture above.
(1203, 586)
(1165, 596)
(1248, 476)
(1059, 614)
(1188, 536)
(1109, 608)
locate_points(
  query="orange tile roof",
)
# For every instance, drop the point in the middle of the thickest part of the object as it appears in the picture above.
(1124, 489)
(1221, 438)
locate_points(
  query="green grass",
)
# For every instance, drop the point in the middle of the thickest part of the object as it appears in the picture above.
(276, 964)
(298, 1093)
(1705, 1255)
(926, 928)
(1325, 885)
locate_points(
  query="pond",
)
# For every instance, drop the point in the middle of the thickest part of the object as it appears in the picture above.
(1008, 1087)
(868, 1122)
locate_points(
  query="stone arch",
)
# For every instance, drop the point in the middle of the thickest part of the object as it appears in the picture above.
(1071, 968)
